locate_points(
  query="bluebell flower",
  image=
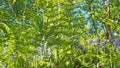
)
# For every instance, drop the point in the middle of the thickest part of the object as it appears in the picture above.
(117, 43)
(101, 45)
(104, 44)
(99, 39)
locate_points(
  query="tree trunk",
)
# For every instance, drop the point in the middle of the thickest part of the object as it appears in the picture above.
(109, 33)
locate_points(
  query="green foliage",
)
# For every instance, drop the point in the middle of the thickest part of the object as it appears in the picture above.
(59, 34)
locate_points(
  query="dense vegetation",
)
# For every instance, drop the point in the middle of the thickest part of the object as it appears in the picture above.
(59, 33)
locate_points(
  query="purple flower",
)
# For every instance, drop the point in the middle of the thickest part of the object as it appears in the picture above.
(99, 40)
(104, 44)
(101, 45)
(117, 43)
